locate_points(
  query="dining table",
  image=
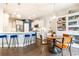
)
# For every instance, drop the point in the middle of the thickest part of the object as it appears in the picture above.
(53, 48)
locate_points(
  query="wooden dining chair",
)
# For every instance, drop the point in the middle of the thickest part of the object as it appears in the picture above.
(65, 43)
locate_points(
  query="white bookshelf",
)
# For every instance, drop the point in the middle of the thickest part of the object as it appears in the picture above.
(61, 24)
(72, 24)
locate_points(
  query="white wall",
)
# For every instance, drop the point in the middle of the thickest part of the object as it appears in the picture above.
(53, 24)
(4, 21)
(43, 22)
(6, 25)
(1, 20)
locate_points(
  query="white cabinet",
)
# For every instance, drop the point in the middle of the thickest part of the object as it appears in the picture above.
(71, 24)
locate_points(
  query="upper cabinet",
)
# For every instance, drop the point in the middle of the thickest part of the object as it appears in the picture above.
(69, 22)
(73, 22)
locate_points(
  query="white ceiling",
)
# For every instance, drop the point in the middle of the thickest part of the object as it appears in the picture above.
(36, 10)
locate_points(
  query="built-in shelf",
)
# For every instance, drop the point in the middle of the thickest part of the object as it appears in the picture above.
(73, 22)
(70, 25)
(61, 24)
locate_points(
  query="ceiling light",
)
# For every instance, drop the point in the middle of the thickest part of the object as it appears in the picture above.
(19, 3)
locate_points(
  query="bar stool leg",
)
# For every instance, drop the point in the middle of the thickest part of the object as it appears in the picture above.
(34, 40)
(14, 42)
(2, 43)
(27, 42)
(24, 41)
(31, 41)
(6, 41)
(17, 42)
(9, 44)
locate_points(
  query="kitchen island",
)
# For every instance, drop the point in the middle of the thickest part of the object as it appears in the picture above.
(20, 38)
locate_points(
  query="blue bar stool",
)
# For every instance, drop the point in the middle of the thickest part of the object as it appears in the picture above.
(14, 37)
(34, 37)
(26, 39)
(4, 36)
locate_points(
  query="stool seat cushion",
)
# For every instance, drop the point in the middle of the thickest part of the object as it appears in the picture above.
(33, 34)
(27, 35)
(2, 36)
(13, 36)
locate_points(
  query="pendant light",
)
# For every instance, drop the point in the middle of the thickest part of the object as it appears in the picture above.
(5, 8)
(17, 14)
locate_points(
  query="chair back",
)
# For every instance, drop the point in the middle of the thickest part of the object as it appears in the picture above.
(67, 39)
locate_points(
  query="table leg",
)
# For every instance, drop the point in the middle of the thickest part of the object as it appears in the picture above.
(53, 49)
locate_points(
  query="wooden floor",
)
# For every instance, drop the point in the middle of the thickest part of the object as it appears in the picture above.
(25, 51)
(33, 50)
